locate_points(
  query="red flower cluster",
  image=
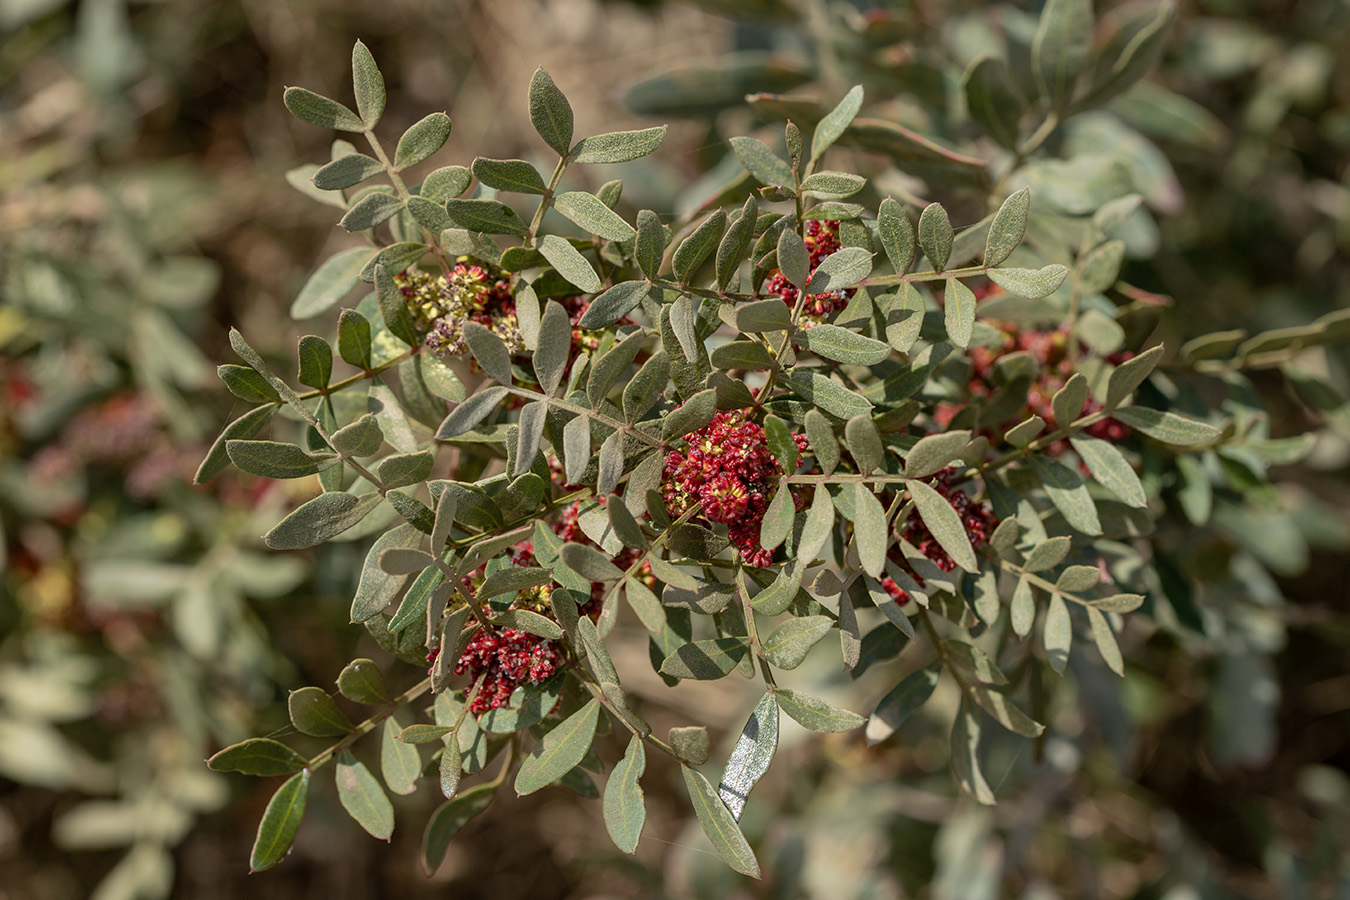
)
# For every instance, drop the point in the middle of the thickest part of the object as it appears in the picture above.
(977, 518)
(822, 239)
(727, 468)
(505, 659)
(1050, 350)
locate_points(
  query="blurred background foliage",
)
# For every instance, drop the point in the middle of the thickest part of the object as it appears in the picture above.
(144, 207)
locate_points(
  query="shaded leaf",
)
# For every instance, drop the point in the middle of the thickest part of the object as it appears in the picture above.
(624, 808)
(448, 819)
(705, 660)
(944, 523)
(719, 824)
(257, 756)
(313, 712)
(280, 822)
(362, 796)
(362, 682)
(751, 756)
(559, 750)
(902, 700)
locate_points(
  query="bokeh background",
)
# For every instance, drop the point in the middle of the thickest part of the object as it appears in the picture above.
(145, 207)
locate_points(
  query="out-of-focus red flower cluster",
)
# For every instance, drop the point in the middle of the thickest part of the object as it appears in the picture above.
(729, 469)
(822, 239)
(1050, 351)
(977, 518)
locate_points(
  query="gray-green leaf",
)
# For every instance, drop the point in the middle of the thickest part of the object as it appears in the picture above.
(559, 750)
(624, 808)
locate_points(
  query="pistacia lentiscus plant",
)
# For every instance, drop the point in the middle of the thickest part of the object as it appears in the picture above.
(783, 417)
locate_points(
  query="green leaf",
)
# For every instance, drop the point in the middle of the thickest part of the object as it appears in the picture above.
(1031, 283)
(759, 316)
(902, 700)
(1075, 579)
(829, 129)
(421, 140)
(324, 517)
(246, 384)
(814, 713)
(280, 822)
(589, 563)
(624, 808)
(530, 622)
(1066, 490)
(613, 305)
(363, 682)
(833, 185)
(736, 244)
(489, 351)
(1118, 603)
(789, 643)
(1022, 609)
(368, 86)
(371, 210)
(945, 524)
(376, 586)
(361, 438)
(403, 469)
(766, 166)
(827, 394)
(430, 215)
(1067, 403)
(1100, 266)
(450, 767)
(448, 819)
(1008, 228)
(841, 345)
(965, 743)
(270, 459)
(1129, 375)
(693, 414)
(1058, 633)
(601, 663)
(1062, 48)
(313, 712)
(509, 175)
(705, 660)
(246, 426)
(529, 704)
(719, 824)
(316, 109)
(512, 580)
(257, 756)
(936, 235)
(841, 269)
(1048, 553)
(818, 526)
(1005, 713)
(904, 317)
(618, 146)
(869, 530)
(487, 216)
(974, 664)
(472, 411)
(587, 211)
(354, 339)
(690, 743)
(821, 439)
(651, 243)
(554, 345)
(569, 263)
(445, 183)
(316, 361)
(550, 113)
(932, 453)
(424, 734)
(1129, 54)
(1105, 640)
(362, 796)
(400, 763)
(559, 750)
(959, 312)
(995, 103)
(347, 171)
(648, 384)
(751, 756)
(794, 260)
(1109, 466)
(897, 235)
(694, 249)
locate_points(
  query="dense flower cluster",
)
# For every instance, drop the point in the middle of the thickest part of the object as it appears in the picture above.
(729, 469)
(822, 239)
(1050, 351)
(977, 518)
(505, 659)
(470, 292)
